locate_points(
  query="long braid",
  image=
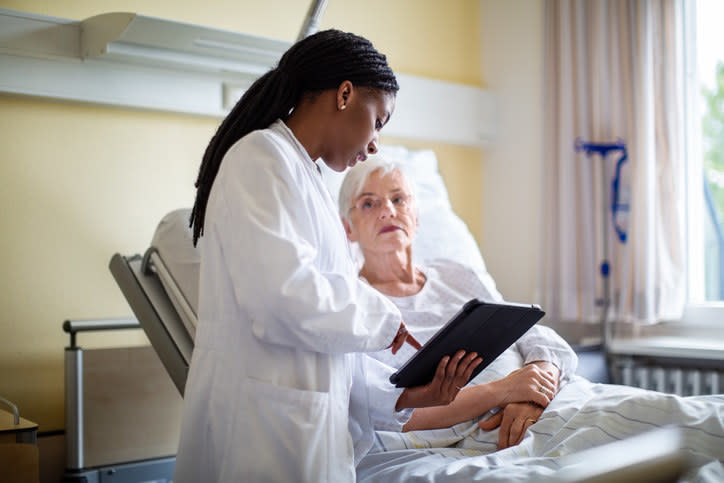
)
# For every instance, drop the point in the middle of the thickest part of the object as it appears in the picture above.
(319, 62)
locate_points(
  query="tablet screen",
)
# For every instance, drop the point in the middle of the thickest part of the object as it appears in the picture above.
(482, 327)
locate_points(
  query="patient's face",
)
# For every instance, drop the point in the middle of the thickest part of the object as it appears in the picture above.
(383, 217)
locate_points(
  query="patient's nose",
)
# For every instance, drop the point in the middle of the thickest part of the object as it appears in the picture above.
(387, 208)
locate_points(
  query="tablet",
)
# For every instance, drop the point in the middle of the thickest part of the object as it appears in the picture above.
(485, 328)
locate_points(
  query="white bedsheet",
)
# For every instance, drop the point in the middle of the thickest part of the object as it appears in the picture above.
(583, 415)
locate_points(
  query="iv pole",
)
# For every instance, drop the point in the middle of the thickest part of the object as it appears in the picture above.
(616, 206)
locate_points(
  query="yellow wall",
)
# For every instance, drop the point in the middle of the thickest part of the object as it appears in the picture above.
(81, 182)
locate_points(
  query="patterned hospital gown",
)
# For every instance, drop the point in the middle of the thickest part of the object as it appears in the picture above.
(448, 287)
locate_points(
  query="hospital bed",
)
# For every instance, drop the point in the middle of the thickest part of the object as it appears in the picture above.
(586, 424)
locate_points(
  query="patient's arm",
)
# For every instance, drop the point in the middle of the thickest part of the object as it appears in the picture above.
(522, 385)
(542, 343)
(515, 418)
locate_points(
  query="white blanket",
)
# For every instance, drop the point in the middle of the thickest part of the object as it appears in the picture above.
(583, 415)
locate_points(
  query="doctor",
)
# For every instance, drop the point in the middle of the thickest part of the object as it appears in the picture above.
(277, 389)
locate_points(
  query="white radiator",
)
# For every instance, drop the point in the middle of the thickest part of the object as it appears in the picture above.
(684, 379)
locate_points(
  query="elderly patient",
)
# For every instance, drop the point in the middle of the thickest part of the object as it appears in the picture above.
(379, 212)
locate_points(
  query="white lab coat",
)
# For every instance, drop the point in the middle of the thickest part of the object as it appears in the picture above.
(281, 311)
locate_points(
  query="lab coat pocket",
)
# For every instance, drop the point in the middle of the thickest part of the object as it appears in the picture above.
(291, 430)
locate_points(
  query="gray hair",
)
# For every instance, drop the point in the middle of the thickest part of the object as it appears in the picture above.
(357, 176)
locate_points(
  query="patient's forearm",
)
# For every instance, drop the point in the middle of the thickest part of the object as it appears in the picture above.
(470, 403)
(536, 383)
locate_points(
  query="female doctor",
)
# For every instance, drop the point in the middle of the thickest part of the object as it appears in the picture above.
(277, 389)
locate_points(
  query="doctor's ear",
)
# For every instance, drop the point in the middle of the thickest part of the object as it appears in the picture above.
(348, 230)
(344, 92)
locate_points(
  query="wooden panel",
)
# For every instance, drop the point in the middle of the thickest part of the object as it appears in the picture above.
(19, 463)
(132, 410)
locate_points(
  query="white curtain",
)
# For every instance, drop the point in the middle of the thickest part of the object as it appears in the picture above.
(614, 70)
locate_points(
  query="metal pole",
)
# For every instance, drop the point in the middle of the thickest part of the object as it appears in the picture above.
(74, 408)
(605, 265)
(74, 446)
(311, 22)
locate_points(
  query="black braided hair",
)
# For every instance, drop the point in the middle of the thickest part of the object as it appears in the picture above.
(316, 63)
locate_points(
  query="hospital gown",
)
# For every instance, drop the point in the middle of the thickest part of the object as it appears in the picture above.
(449, 285)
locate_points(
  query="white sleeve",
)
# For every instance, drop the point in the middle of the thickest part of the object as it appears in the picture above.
(383, 396)
(541, 343)
(267, 238)
(372, 403)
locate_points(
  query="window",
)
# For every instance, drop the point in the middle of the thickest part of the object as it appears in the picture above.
(704, 52)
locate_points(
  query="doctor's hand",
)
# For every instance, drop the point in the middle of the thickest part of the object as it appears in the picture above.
(514, 419)
(451, 375)
(403, 336)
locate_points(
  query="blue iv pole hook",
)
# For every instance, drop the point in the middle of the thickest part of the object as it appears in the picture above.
(616, 205)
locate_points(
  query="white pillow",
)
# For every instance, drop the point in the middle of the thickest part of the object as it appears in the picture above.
(441, 234)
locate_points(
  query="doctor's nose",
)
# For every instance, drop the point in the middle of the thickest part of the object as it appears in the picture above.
(372, 146)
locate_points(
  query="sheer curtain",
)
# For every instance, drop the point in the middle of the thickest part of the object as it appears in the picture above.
(614, 70)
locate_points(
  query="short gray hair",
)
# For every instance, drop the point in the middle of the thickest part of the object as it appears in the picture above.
(358, 175)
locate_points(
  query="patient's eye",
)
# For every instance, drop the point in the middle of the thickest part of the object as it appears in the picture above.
(366, 204)
(378, 124)
(400, 200)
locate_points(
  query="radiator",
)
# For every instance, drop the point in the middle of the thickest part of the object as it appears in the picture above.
(683, 377)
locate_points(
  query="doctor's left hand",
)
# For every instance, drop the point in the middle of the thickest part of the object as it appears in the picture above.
(452, 374)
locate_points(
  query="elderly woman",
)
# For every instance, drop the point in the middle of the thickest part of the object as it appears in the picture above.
(379, 212)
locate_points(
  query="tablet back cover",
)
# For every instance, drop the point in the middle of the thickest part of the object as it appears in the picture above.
(486, 328)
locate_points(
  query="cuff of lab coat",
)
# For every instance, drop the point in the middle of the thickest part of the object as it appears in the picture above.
(395, 420)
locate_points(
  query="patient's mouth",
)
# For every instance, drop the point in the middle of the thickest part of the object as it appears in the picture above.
(389, 228)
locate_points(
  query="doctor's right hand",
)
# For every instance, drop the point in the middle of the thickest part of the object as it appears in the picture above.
(403, 336)
(452, 374)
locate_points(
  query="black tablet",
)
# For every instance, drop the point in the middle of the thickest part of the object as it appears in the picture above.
(485, 328)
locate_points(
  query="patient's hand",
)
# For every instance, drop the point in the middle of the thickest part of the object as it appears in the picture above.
(551, 369)
(527, 384)
(451, 375)
(514, 419)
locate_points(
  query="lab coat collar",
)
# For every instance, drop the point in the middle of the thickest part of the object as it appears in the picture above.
(281, 127)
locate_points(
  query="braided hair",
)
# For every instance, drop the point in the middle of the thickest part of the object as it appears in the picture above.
(316, 63)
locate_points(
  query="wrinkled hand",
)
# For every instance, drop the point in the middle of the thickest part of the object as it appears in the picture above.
(514, 419)
(403, 336)
(451, 375)
(528, 384)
